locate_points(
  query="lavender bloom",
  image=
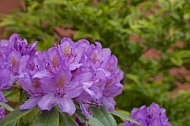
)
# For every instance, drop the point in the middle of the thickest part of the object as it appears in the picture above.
(14, 55)
(21, 46)
(149, 116)
(53, 61)
(69, 71)
(70, 53)
(2, 113)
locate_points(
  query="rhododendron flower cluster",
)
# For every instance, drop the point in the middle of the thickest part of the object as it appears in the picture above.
(149, 116)
(68, 72)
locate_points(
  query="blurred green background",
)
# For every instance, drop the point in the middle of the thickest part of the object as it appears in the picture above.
(151, 39)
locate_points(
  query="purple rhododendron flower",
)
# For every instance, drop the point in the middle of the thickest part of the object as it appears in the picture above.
(21, 46)
(70, 71)
(2, 113)
(71, 54)
(149, 116)
(14, 55)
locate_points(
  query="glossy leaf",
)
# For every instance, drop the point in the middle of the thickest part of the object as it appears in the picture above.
(65, 120)
(103, 116)
(30, 116)
(47, 118)
(124, 116)
(94, 122)
(13, 116)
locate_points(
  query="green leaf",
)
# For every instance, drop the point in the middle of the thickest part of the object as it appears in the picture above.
(79, 35)
(103, 116)
(55, 2)
(133, 78)
(177, 61)
(65, 120)
(6, 106)
(47, 118)
(30, 116)
(94, 122)
(12, 95)
(6, 22)
(124, 116)
(12, 124)
(13, 116)
(183, 53)
(164, 4)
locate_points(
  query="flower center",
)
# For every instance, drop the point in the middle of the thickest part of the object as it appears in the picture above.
(55, 61)
(67, 51)
(60, 82)
(94, 57)
(36, 83)
(14, 62)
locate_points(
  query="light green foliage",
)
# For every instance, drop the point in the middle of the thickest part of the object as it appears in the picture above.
(159, 24)
(179, 109)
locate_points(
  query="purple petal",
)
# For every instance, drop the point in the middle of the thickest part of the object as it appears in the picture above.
(47, 101)
(109, 103)
(42, 74)
(4, 42)
(86, 88)
(5, 79)
(77, 89)
(113, 90)
(85, 110)
(66, 46)
(30, 103)
(54, 57)
(83, 45)
(23, 63)
(66, 105)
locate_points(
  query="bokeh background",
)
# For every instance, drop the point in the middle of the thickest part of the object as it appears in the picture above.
(151, 39)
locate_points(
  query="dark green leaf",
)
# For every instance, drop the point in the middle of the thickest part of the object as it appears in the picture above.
(28, 117)
(103, 116)
(47, 118)
(94, 122)
(65, 120)
(13, 116)
(124, 116)
(12, 124)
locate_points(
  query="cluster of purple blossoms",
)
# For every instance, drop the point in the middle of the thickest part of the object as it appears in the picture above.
(149, 116)
(68, 72)
(14, 54)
